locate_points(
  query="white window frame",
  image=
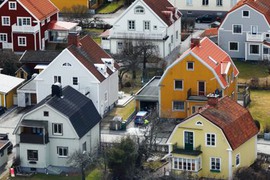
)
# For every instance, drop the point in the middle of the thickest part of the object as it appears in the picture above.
(237, 25)
(189, 2)
(10, 3)
(62, 149)
(199, 123)
(19, 41)
(119, 45)
(219, 3)
(131, 25)
(139, 10)
(209, 143)
(75, 81)
(229, 44)
(237, 157)
(179, 110)
(33, 151)
(155, 27)
(42, 23)
(254, 27)
(3, 19)
(215, 170)
(259, 53)
(192, 66)
(243, 14)
(56, 132)
(146, 25)
(24, 21)
(57, 79)
(2, 35)
(48, 19)
(205, 2)
(179, 89)
(181, 160)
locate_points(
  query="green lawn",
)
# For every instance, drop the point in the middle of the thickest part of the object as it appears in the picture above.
(111, 7)
(124, 112)
(94, 33)
(259, 106)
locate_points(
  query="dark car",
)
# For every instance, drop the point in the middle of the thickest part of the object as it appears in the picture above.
(2, 110)
(140, 117)
(207, 18)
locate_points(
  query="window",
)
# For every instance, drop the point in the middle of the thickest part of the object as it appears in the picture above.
(176, 34)
(199, 123)
(66, 64)
(254, 30)
(131, 25)
(155, 27)
(48, 19)
(12, 5)
(3, 37)
(178, 106)
(190, 66)
(178, 84)
(210, 139)
(32, 155)
(215, 164)
(21, 41)
(219, 3)
(237, 159)
(119, 45)
(245, 14)
(233, 46)
(265, 49)
(5, 21)
(84, 146)
(62, 151)
(45, 113)
(205, 2)
(237, 29)
(75, 80)
(171, 38)
(57, 129)
(57, 79)
(189, 2)
(187, 164)
(146, 25)
(139, 10)
(23, 21)
(254, 49)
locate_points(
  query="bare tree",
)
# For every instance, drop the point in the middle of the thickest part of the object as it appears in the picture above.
(9, 62)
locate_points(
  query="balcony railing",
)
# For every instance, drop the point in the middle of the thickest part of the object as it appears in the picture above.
(201, 95)
(34, 138)
(182, 150)
(138, 35)
(24, 29)
(254, 37)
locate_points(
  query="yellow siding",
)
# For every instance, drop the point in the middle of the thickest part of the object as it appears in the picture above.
(2, 99)
(60, 4)
(18, 74)
(9, 98)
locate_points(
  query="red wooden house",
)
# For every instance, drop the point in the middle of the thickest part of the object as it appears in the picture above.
(30, 25)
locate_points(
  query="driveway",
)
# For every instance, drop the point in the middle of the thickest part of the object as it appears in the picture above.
(110, 18)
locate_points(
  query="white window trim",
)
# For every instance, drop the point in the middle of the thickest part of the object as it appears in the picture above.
(210, 140)
(2, 20)
(22, 20)
(42, 23)
(137, 7)
(206, 4)
(189, 2)
(144, 26)
(178, 110)
(5, 34)
(241, 29)
(176, 159)
(211, 164)
(245, 16)
(197, 123)
(230, 46)
(62, 147)
(155, 27)
(184, 137)
(236, 159)
(48, 19)
(217, 3)
(187, 66)
(19, 44)
(179, 89)
(12, 2)
(134, 25)
(73, 81)
(57, 134)
(249, 53)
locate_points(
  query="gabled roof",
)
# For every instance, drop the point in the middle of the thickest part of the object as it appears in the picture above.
(40, 57)
(263, 6)
(90, 53)
(79, 109)
(40, 9)
(233, 119)
(214, 57)
(164, 9)
(8, 83)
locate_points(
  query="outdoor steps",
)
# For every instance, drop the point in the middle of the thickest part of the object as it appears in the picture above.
(53, 170)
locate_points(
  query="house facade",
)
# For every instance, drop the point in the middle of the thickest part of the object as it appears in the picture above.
(3, 152)
(201, 70)
(87, 68)
(214, 142)
(244, 33)
(48, 134)
(193, 8)
(145, 20)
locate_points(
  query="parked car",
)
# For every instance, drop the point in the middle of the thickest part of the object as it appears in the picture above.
(207, 18)
(2, 110)
(140, 117)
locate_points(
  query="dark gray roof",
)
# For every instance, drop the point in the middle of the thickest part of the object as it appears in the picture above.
(150, 91)
(80, 110)
(44, 57)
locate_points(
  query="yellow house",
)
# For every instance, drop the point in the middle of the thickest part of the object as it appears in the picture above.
(8, 85)
(63, 4)
(201, 70)
(214, 142)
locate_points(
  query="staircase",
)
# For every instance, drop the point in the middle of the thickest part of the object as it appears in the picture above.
(53, 170)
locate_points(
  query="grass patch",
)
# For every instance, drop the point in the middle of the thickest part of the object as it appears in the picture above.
(111, 7)
(153, 165)
(126, 111)
(94, 33)
(259, 106)
(96, 174)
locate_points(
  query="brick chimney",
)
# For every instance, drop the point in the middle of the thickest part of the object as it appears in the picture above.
(212, 100)
(73, 39)
(194, 42)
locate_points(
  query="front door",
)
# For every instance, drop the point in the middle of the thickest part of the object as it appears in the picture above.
(188, 140)
(201, 88)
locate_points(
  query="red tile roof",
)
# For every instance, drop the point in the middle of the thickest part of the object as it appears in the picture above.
(263, 6)
(164, 9)
(234, 120)
(41, 9)
(210, 32)
(215, 58)
(61, 25)
(90, 53)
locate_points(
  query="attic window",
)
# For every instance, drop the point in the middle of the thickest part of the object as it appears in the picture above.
(246, 14)
(12, 5)
(139, 10)
(66, 64)
(199, 123)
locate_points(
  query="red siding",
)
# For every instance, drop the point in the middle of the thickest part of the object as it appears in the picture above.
(29, 42)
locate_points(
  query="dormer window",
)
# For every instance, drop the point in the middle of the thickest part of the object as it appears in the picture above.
(245, 14)
(139, 10)
(12, 5)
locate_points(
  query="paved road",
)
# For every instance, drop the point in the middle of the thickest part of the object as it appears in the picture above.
(110, 18)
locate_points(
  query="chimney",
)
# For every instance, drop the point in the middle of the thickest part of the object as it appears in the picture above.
(57, 89)
(212, 100)
(73, 39)
(194, 42)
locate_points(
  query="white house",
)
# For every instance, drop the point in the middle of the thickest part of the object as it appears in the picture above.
(64, 122)
(87, 68)
(156, 22)
(191, 8)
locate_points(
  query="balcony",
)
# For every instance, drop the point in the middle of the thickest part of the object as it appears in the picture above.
(25, 29)
(196, 96)
(254, 37)
(138, 35)
(34, 138)
(182, 150)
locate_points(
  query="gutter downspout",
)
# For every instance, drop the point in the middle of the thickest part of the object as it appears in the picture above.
(230, 177)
